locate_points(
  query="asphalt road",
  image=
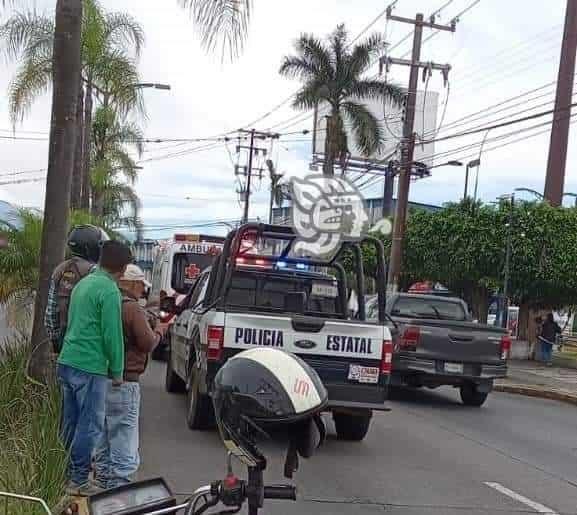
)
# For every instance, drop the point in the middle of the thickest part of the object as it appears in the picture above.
(429, 455)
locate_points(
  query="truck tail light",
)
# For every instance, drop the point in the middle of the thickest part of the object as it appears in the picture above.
(505, 346)
(410, 338)
(215, 341)
(387, 357)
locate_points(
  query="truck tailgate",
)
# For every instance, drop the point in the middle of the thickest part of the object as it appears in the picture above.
(455, 341)
(344, 353)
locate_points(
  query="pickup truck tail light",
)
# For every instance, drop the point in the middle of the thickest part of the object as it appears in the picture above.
(505, 347)
(215, 341)
(387, 357)
(410, 338)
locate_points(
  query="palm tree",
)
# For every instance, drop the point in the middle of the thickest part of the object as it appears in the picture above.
(111, 159)
(66, 66)
(222, 23)
(332, 74)
(111, 44)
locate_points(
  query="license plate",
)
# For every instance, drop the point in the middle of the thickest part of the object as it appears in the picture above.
(369, 375)
(454, 368)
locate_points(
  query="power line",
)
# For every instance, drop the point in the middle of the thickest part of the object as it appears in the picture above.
(11, 174)
(500, 125)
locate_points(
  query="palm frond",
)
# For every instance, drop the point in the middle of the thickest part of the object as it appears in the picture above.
(116, 74)
(338, 41)
(93, 34)
(32, 79)
(122, 163)
(315, 52)
(25, 34)
(123, 31)
(366, 128)
(363, 54)
(377, 90)
(221, 23)
(311, 94)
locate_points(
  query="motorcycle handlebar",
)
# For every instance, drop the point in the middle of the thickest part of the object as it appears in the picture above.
(281, 492)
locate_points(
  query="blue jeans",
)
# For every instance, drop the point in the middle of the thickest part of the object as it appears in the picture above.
(546, 350)
(116, 457)
(83, 410)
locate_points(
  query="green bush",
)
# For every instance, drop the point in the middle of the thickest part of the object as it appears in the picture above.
(32, 458)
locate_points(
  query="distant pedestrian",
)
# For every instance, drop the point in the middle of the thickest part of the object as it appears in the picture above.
(117, 455)
(549, 331)
(92, 352)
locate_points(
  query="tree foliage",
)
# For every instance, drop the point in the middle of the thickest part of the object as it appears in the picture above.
(463, 247)
(111, 45)
(332, 73)
(114, 170)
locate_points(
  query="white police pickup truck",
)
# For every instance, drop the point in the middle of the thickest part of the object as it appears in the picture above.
(256, 294)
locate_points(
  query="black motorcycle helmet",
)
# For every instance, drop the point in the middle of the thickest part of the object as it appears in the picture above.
(266, 386)
(85, 241)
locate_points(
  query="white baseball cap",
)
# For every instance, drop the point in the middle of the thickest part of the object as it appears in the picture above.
(134, 273)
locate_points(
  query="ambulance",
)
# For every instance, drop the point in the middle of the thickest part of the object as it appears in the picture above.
(177, 264)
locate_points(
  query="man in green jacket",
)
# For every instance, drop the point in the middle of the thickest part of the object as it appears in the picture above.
(93, 351)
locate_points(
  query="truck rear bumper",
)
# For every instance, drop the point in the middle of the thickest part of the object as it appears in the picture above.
(357, 396)
(433, 370)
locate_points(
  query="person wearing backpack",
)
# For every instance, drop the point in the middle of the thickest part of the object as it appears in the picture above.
(117, 454)
(84, 244)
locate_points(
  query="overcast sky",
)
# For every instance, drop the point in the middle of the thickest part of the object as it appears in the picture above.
(500, 50)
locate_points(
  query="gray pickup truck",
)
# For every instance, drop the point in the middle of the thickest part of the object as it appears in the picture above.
(437, 343)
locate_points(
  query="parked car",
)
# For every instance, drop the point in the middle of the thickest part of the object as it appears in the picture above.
(437, 343)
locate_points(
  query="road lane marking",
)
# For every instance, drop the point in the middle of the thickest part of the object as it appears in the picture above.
(539, 508)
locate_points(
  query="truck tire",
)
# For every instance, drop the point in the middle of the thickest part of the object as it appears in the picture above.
(352, 428)
(199, 412)
(172, 382)
(471, 396)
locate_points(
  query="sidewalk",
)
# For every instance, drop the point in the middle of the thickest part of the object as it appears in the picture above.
(537, 380)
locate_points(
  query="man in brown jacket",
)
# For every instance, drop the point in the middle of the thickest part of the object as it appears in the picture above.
(117, 457)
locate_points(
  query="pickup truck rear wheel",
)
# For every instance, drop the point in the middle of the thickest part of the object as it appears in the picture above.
(199, 413)
(471, 396)
(172, 382)
(352, 428)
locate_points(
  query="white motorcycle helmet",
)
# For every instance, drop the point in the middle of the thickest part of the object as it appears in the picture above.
(268, 386)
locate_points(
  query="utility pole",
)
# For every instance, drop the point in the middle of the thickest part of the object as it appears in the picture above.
(248, 170)
(505, 312)
(556, 163)
(408, 143)
(388, 190)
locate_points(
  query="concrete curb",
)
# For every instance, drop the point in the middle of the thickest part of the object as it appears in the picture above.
(543, 393)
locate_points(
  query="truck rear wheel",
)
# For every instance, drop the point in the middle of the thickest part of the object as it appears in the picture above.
(471, 396)
(352, 428)
(199, 412)
(172, 382)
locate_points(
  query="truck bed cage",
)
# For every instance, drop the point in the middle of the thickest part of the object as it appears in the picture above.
(226, 262)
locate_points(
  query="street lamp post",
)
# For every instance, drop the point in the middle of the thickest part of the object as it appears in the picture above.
(152, 85)
(505, 308)
(470, 164)
(533, 192)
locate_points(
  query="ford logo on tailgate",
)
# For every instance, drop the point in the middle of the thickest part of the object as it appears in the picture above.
(305, 344)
